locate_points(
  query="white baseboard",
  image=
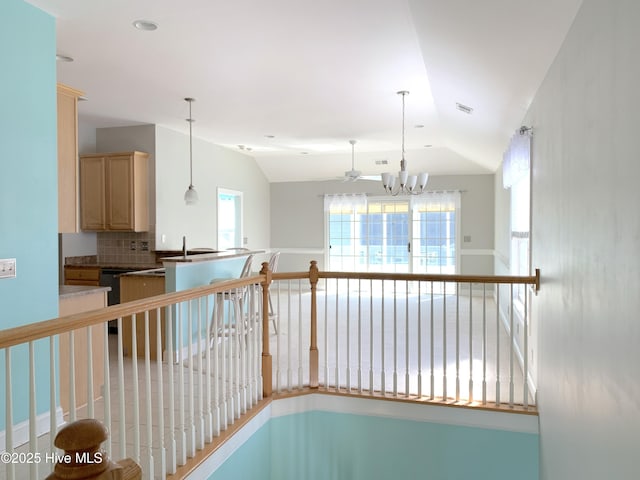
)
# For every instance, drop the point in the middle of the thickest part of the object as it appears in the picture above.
(21, 430)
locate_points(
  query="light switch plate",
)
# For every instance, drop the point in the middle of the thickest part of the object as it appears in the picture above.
(7, 267)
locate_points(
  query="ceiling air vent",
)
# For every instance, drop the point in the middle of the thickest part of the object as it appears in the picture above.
(382, 162)
(464, 108)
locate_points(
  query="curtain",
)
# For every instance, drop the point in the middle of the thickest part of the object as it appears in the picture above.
(436, 201)
(345, 201)
(517, 159)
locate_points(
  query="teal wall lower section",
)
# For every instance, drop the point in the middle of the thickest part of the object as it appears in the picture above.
(29, 192)
(335, 446)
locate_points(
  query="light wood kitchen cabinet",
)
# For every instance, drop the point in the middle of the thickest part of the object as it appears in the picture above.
(135, 287)
(67, 107)
(114, 192)
(88, 276)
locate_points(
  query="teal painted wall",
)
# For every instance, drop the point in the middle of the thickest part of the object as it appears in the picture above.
(325, 446)
(29, 185)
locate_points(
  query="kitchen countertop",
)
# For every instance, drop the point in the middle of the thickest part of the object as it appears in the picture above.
(108, 266)
(67, 291)
(205, 257)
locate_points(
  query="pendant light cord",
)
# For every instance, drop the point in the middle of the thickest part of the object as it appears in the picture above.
(190, 145)
(402, 160)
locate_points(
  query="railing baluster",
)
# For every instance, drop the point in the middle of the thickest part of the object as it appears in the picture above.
(470, 396)
(191, 429)
(209, 432)
(289, 339)
(200, 414)
(359, 335)
(121, 394)
(406, 339)
(300, 336)
(10, 466)
(498, 345)
(278, 341)
(511, 345)
(182, 427)
(136, 388)
(33, 434)
(172, 451)
(348, 339)
(215, 340)
(525, 354)
(457, 293)
(432, 344)
(162, 452)
(382, 345)
(106, 395)
(484, 343)
(90, 395)
(395, 339)
(444, 340)
(224, 335)
(72, 377)
(326, 333)
(371, 348)
(419, 339)
(337, 339)
(53, 426)
(148, 399)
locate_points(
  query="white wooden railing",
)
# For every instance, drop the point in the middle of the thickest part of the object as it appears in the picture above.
(448, 338)
(219, 350)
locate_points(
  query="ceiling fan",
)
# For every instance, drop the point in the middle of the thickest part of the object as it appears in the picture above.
(353, 174)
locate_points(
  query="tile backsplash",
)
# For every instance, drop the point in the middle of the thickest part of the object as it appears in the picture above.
(130, 248)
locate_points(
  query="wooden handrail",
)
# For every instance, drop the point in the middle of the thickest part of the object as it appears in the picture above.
(436, 277)
(35, 331)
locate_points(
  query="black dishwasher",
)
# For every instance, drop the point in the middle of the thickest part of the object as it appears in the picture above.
(110, 277)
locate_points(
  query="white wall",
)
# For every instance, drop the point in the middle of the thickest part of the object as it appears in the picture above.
(297, 218)
(213, 167)
(586, 234)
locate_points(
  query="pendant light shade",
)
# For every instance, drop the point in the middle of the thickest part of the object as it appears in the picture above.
(190, 196)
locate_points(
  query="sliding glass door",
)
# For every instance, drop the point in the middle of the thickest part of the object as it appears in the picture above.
(394, 235)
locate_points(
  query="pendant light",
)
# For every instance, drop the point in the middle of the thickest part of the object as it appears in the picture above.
(190, 196)
(404, 183)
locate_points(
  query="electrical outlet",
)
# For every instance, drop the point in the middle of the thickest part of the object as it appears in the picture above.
(144, 246)
(7, 267)
(132, 245)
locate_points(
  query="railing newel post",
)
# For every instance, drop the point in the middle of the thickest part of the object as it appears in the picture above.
(267, 360)
(313, 348)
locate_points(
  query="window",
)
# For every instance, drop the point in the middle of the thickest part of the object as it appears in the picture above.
(229, 219)
(409, 234)
(516, 176)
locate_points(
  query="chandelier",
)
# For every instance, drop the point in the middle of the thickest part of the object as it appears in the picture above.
(404, 183)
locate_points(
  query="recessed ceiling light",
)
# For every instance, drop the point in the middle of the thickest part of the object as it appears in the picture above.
(63, 58)
(464, 108)
(428, 146)
(419, 126)
(145, 25)
(304, 153)
(270, 136)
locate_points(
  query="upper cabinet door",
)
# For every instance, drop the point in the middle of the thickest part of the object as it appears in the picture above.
(92, 193)
(123, 189)
(67, 108)
(120, 214)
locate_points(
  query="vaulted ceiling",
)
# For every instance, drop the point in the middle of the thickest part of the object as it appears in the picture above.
(290, 82)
